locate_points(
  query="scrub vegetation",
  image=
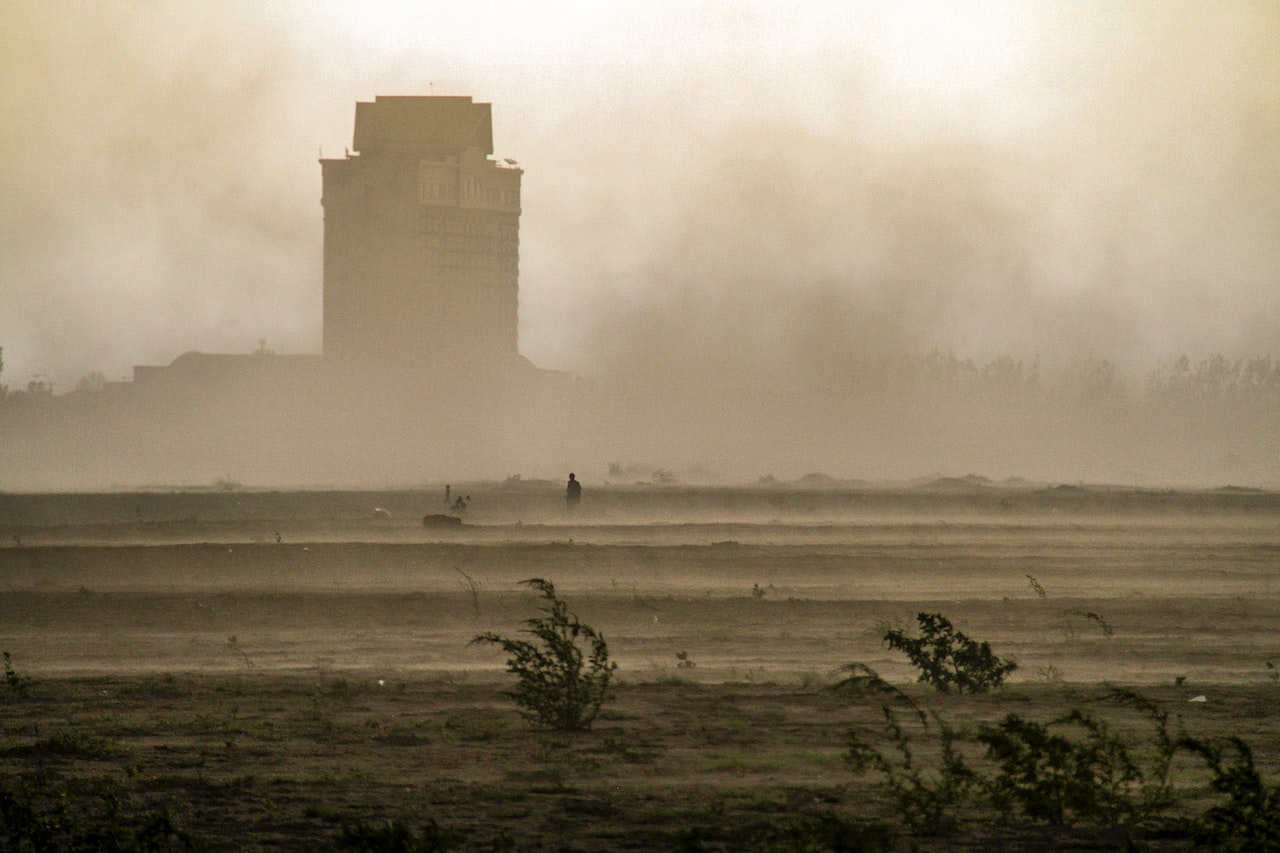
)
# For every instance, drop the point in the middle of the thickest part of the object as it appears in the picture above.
(947, 659)
(333, 693)
(560, 685)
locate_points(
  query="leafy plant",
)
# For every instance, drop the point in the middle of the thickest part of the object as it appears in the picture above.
(925, 798)
(1157, 793)
(559, 685)
(947, 658)
(1072, 768)
(19, 683)
(1075, 769)
(1249, 819)
(862, 679)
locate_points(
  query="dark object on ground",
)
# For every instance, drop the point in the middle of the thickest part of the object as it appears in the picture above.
(435, 519)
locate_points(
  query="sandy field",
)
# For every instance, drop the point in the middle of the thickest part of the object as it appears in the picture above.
(268, 668)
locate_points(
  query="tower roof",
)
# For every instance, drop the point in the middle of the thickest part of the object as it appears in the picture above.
(403, 123)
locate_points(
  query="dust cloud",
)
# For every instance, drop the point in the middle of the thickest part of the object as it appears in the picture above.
(1129, 216)
(867, 242)
(157, 196)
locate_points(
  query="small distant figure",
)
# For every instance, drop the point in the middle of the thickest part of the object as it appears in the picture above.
(573, 494)
(448, 492)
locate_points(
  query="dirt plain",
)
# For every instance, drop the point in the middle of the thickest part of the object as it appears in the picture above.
(267, 667)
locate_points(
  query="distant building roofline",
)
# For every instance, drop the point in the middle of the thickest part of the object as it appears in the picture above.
(394, 124)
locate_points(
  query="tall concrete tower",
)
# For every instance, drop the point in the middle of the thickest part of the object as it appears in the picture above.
(421, 243)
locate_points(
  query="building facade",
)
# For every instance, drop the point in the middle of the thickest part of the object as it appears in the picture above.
(421, 243)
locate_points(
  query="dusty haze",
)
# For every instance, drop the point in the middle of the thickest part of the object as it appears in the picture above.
(734, 216)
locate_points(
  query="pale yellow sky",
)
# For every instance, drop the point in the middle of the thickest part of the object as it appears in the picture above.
(1054, 179)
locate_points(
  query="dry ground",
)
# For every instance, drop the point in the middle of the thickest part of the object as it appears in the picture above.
(266, 667)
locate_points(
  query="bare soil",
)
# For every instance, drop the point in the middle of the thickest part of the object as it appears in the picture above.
(268, 667)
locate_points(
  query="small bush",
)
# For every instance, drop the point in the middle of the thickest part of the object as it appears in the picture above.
(560, 687)
(947, 658)
(863, 680)
(925, 798)
(1157, 793)
(1073, 768)
(1249, 818)
(18, 683)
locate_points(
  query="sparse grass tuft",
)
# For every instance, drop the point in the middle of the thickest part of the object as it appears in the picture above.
(396, 836)
(233, 645)
(472, 588)
(1049, 674)
(69, 743)
(629, 753)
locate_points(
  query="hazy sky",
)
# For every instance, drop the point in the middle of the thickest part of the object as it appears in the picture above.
(711, 182)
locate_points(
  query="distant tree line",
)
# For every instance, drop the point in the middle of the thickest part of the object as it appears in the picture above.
(1244, 385)
(1215, 379)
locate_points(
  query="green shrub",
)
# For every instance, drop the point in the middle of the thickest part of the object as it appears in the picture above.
(19, 683)
(1249, 818)
(1070, 769)
(1075, 769)
(863, 680)
(947, 658)
(925, 798)
(559, 686)
(1157, 793)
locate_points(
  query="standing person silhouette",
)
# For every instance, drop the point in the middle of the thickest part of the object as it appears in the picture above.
(573, 494)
